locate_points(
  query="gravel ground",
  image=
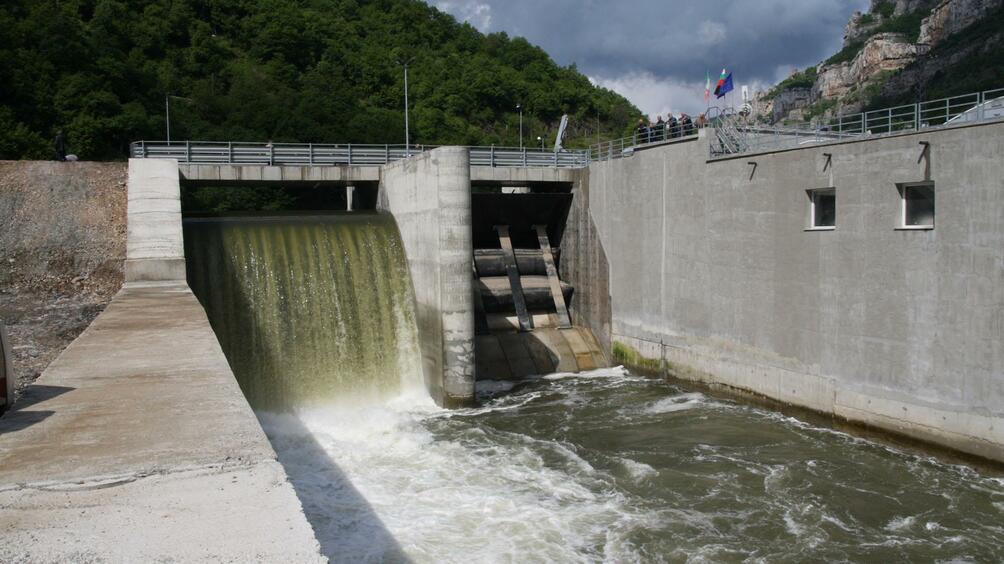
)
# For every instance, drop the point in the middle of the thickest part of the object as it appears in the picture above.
(62, 245)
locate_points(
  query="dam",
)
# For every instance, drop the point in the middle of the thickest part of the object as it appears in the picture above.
(459, 363)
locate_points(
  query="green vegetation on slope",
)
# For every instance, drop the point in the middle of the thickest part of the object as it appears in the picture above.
(980, 69)
(285, 70)
(799, 79)
(907, 24)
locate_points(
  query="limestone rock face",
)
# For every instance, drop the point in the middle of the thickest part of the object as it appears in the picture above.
(910, 6)
(833, 81)
(883, 52)
(856, 29)
(951, 16)
(787, 101)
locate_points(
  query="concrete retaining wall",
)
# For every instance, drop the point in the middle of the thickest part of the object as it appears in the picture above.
(137, 445)
(712, 268)
(585, 265)
(155, 249)
(430, 197)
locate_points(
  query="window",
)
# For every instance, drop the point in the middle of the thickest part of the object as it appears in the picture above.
(822, 209)
(916, 206)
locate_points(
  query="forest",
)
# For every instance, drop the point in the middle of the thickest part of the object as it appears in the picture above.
(321, 71)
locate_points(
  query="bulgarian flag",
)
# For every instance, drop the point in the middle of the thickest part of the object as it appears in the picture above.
(724, 84)
(707, 86)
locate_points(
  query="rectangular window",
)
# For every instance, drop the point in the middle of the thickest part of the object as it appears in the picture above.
(917, 206)
(822, 208)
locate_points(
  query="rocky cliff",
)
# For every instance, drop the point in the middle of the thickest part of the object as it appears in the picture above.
(887, 50)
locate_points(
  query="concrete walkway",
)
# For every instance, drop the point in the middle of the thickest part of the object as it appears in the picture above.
(137, 444)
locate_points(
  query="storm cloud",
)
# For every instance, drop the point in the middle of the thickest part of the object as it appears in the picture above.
(657, 52)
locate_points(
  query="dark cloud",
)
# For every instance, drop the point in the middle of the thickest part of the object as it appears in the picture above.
(644, 47)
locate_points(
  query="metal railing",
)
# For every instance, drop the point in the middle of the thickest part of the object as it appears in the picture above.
(656, 133)
(313, 154)
(735, 135)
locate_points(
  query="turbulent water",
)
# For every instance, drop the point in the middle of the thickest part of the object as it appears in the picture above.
(613, 467)
(315, 317)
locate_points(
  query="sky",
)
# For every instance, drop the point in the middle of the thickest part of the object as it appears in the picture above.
(657, 53)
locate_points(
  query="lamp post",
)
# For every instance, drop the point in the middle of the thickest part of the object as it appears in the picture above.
(407, 133)
(519, 108)
(541, 141)
(167, 112)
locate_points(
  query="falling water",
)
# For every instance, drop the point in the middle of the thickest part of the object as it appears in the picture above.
(310, 310)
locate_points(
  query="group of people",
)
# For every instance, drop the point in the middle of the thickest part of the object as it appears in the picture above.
(669, 128)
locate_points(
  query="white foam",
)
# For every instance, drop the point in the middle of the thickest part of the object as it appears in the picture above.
(676, 403)
(900, 523)
(378, 480)
(637, 470)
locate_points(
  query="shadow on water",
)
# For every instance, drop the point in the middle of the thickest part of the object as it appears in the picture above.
(356, 533)
(262, 281)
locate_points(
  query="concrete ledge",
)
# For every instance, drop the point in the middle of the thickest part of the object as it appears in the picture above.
(234, 173)
(137, 445)
(719, 364)
(152, 270)
(516, 174)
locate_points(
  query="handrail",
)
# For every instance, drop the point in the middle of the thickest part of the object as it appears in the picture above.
(655, 133)
(318, 154)
(965, 108)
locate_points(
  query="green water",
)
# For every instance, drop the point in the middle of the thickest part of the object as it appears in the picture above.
(308, 309)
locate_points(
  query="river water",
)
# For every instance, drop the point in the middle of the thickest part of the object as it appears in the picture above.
(315, 315)
(609, 466)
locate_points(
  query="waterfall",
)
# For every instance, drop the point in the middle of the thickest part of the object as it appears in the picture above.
(309, 310)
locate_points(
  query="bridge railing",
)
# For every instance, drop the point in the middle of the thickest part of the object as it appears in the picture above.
(625, 146)
(316, 154)
(956, 110)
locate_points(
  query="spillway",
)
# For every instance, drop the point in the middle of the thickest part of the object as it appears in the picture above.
(310, 310)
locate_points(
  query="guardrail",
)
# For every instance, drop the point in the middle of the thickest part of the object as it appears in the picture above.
(656, 133)
(312, 154)
(735, 135)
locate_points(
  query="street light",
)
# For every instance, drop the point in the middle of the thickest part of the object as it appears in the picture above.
(541, 141)
(167, 112)
(407, 134)
(519, 107)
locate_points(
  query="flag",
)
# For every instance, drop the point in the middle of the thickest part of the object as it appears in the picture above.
(707, 86)
(724, 85)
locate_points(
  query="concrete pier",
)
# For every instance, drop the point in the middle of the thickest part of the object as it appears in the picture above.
(137, 445)
(154, 248)
(430, 197)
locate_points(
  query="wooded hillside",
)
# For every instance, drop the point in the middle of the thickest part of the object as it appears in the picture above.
(321, 71)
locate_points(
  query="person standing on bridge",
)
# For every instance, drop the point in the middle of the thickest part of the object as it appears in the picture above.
(686, 125)
(60, 146)
(672, 125)
(659, 129)
(641, 132)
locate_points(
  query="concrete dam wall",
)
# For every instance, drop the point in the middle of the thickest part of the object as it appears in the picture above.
(716, 268)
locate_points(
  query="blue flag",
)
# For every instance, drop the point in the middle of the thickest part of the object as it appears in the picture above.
(723, 86)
